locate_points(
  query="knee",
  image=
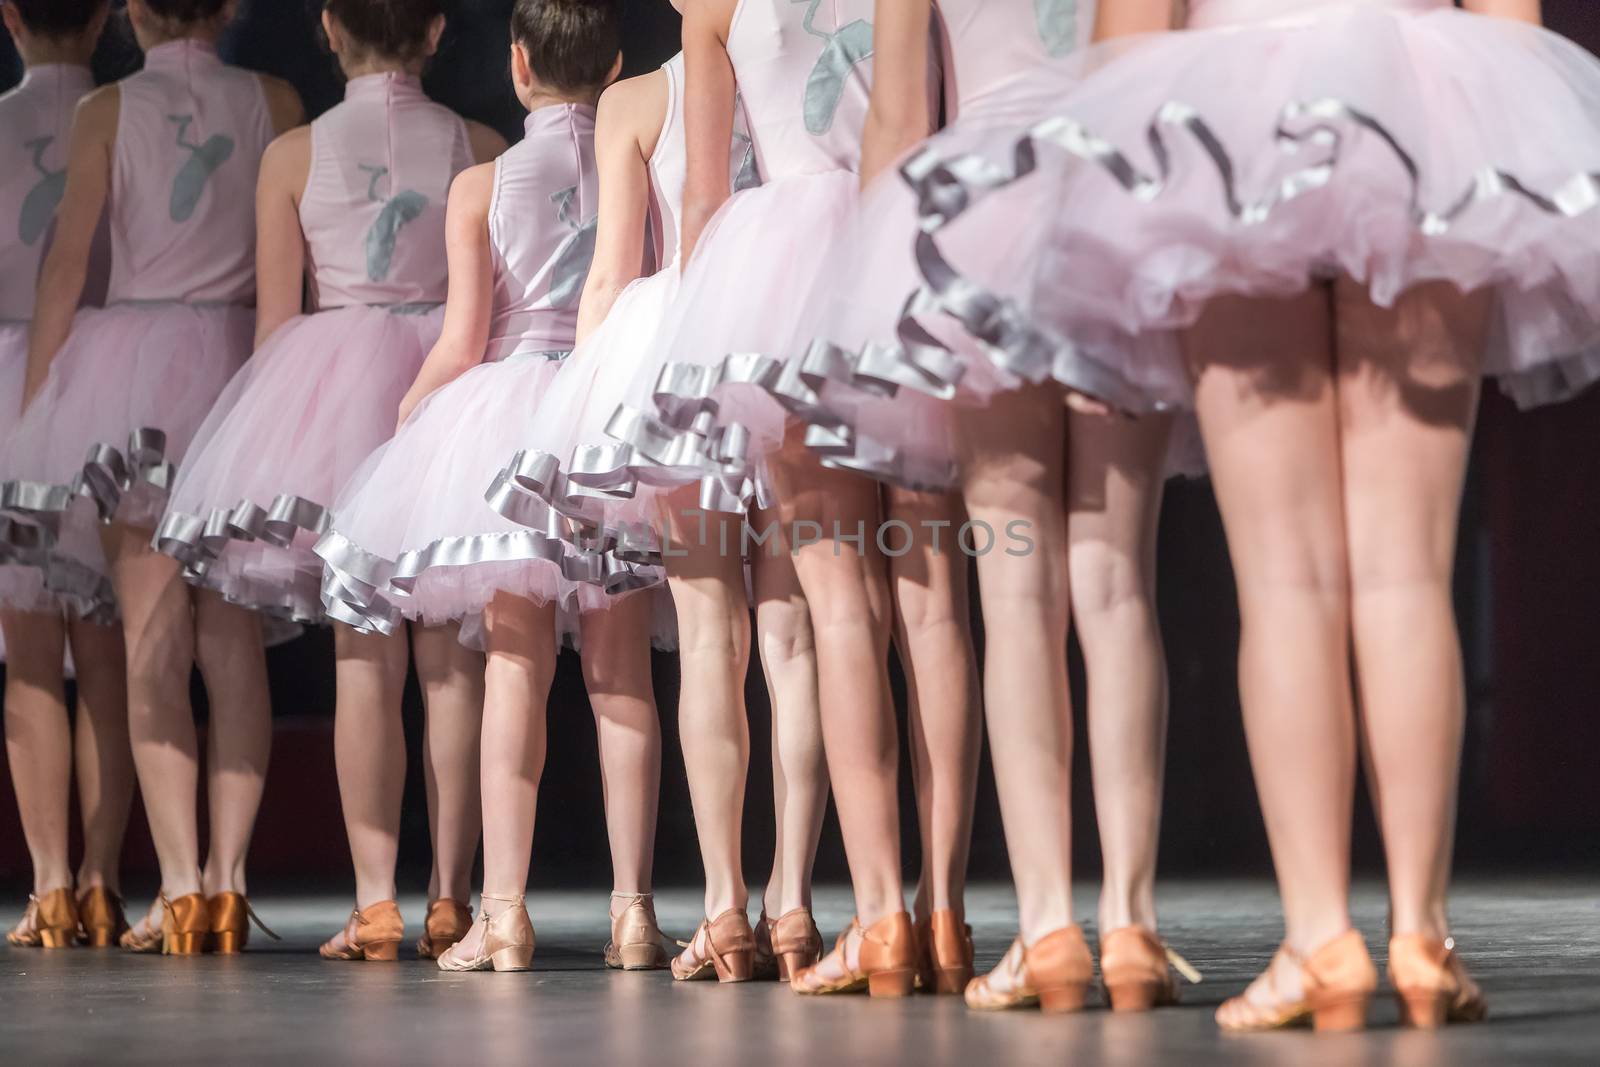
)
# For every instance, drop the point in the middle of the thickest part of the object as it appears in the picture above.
(786, 635)
(1105, 582)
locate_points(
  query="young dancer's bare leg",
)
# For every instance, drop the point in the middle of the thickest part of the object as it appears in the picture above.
(1408, 393)
(706, 573)
(159, 632)
(1268, 411)
(845, 580)
(616, 671)
(452, 679)
(1012, 481)
(39, 741)
(1116, 471)
(799, 765)
(933, 633)
(369, 748)
(102, 755)
(232, 660)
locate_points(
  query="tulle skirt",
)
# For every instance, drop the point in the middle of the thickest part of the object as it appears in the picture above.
(718, 389)
(288, 432)
(566, 460)
(1396, 143)
(103, 439)
(124, 397)
(413, 535)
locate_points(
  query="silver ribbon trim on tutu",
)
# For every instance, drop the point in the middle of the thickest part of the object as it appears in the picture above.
(198, 543)
(946, 188)
(80, 590)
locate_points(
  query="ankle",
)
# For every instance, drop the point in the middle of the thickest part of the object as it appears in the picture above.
(491, 905)
(1119, 909)
(97, 878)
(1306, 936)
(181, 885)
(622, 900)
(49, 879)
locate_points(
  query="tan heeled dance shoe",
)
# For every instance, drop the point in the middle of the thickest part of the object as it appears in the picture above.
(506, 945)
(448, 922)
(1430, 983)
(730, 950)
(1336, 985)
(231, 916)
(101, 918)
(50, 921)
(637, 943)
(944, 953)
(1052, 974)
(886, 967)
(1136, 969)
(372, 933)
(185, 925)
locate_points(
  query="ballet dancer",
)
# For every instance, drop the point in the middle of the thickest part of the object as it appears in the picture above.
(360, 213)
(1324, 263)
(43, 744)
(520, 236)
(173, 152)
(1085, 488)
(571, 465)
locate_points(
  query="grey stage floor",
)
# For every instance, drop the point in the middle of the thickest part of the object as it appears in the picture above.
(1534, 944)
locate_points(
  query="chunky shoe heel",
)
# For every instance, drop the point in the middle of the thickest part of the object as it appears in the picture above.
(513, 958)
(100, 937)
(381, 951)
(227, 942)
(1063, 1000)
(890, 984)
(185, 925)
(1425, 1011)
(183, 944)
(1134, 996)
(100, 917)
(57, 937)
(792, 963)
(1430, 983)
(641, 957)
(1340, 1016)
(738, 965)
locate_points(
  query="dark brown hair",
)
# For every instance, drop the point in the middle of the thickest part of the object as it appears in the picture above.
(58, 18)
(571, 44)
(396, 28)
(187, 11)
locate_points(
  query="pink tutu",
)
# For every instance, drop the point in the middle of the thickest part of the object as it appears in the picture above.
(314, 402)
(719, 389)
(1394, 141)
(413, 536)
(124, 398)
(595, 484)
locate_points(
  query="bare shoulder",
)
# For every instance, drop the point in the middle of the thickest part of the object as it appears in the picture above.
(486, 141)
(283, 102)
(471, 191)
(633, 110)
(96, 114)
(288, 158)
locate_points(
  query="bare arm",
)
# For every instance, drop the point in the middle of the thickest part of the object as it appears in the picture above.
(1521, 10)
(898, 116)
(707, 114)
(486, 143)
(470, 303)
(1124, 18)
(283, 104)
(66, 266)
(280, 245)
(627, 110)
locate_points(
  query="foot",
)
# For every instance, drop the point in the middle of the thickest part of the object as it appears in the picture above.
(1431, 983)
(637, 943)
(839, 968)
(724, 948)
(502, 939)
(1330, 989)
(448, 922)
(371, 933)
(1052, 974)
(26, 933)
(145, 935)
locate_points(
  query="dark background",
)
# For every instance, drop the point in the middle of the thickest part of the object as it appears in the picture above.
(1527, 584)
